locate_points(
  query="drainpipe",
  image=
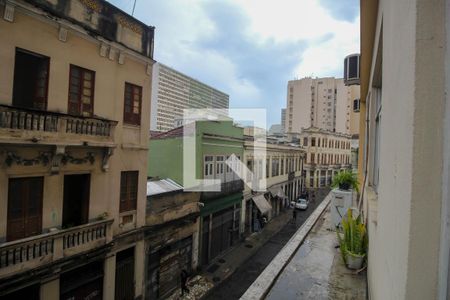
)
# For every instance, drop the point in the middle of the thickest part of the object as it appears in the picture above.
(366, 156)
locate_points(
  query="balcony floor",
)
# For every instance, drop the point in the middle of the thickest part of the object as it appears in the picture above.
(317, 271)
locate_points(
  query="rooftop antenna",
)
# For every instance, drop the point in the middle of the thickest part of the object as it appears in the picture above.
(134, 6)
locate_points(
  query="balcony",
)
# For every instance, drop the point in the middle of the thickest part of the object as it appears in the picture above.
(226, 188)
(29, 253)
(22, 125)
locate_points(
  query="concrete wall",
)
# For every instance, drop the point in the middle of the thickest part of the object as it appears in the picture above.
(404, 212)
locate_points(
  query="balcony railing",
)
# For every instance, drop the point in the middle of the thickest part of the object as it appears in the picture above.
(35, 251)
(13, 118)
(226, 188)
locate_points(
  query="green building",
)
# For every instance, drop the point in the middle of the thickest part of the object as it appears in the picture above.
(214, 142)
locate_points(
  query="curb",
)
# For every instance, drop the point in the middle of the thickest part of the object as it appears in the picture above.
(262, 285)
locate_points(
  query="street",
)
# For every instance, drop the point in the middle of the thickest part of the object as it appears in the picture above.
(235, 286)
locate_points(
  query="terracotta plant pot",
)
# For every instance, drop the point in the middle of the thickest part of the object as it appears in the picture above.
(354, 261)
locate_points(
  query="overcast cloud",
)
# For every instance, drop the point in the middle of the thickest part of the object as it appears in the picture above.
(249, 49)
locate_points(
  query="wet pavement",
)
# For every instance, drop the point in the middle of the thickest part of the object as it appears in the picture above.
(237, 283)
(317, 271)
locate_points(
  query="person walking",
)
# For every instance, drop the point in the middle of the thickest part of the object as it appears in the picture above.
(294, 215)
(184, 280)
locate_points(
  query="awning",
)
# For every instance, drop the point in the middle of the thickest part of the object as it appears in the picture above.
(262, 204)
(277, 192)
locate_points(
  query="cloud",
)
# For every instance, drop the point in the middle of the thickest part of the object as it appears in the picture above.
(250, 49)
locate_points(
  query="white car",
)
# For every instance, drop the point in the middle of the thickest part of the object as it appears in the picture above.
(300, 204)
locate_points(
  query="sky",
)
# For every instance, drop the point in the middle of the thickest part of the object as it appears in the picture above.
(250, 49)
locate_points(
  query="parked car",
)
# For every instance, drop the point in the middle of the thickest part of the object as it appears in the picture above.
(300, 203)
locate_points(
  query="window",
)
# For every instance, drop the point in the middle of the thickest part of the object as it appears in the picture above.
(219, 165)
(30, 80)
(132, 106)
(208, 166)
(313, 142)
(267, 167)
(128, 190)
(250, 169)
(81, 91)
(318, 142)
(305, 142)
(356, 105)
(377, 134)
(275, 167)
(312, 158)
(282, 166)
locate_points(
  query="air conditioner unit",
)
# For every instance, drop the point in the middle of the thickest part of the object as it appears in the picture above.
(341, 201)
(351, 69)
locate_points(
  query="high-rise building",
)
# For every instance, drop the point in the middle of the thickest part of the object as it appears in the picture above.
(324, 103)
(283, 120)
(173, 91)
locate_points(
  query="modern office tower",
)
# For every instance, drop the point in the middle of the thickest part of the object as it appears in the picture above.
(173, 91)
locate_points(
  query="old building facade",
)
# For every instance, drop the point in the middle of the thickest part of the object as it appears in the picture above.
(74, 120)
(220, 210)
(326, 154)
(280, 168)
(171, 235)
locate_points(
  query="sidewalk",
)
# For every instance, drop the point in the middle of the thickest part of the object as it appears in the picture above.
(225, 265)
(316, 270)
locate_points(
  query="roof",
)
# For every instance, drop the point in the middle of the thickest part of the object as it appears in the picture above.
(162, 186)
(176, 132)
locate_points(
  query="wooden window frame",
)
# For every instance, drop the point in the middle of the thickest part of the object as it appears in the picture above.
(132, 118)
(128, 198)
(81, 111)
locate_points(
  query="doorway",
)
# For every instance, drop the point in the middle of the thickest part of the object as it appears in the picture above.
(24, 207)
(76, 200)
(30, 80)
(124, 289)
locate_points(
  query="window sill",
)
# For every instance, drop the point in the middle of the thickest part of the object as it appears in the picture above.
(128, 212)
(131, 126)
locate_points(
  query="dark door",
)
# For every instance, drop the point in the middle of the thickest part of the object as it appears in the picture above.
(24, 207)
(85, 282)
(30, 80)
(125, 275)
(76, 200)
(205, 241)
(29, 293)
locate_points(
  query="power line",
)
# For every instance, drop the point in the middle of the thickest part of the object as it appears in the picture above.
(134, 5)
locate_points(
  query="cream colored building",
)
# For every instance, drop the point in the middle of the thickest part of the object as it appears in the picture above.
(75, 86)
(280, 168)
(173, 91)
(326, 154)
(324, 103)
(405, 147)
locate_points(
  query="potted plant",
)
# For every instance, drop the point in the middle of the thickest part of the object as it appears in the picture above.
(353, 241)
(345, 180)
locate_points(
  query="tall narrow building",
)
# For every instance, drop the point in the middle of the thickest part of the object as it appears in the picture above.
(324, 103)
(174, 91)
